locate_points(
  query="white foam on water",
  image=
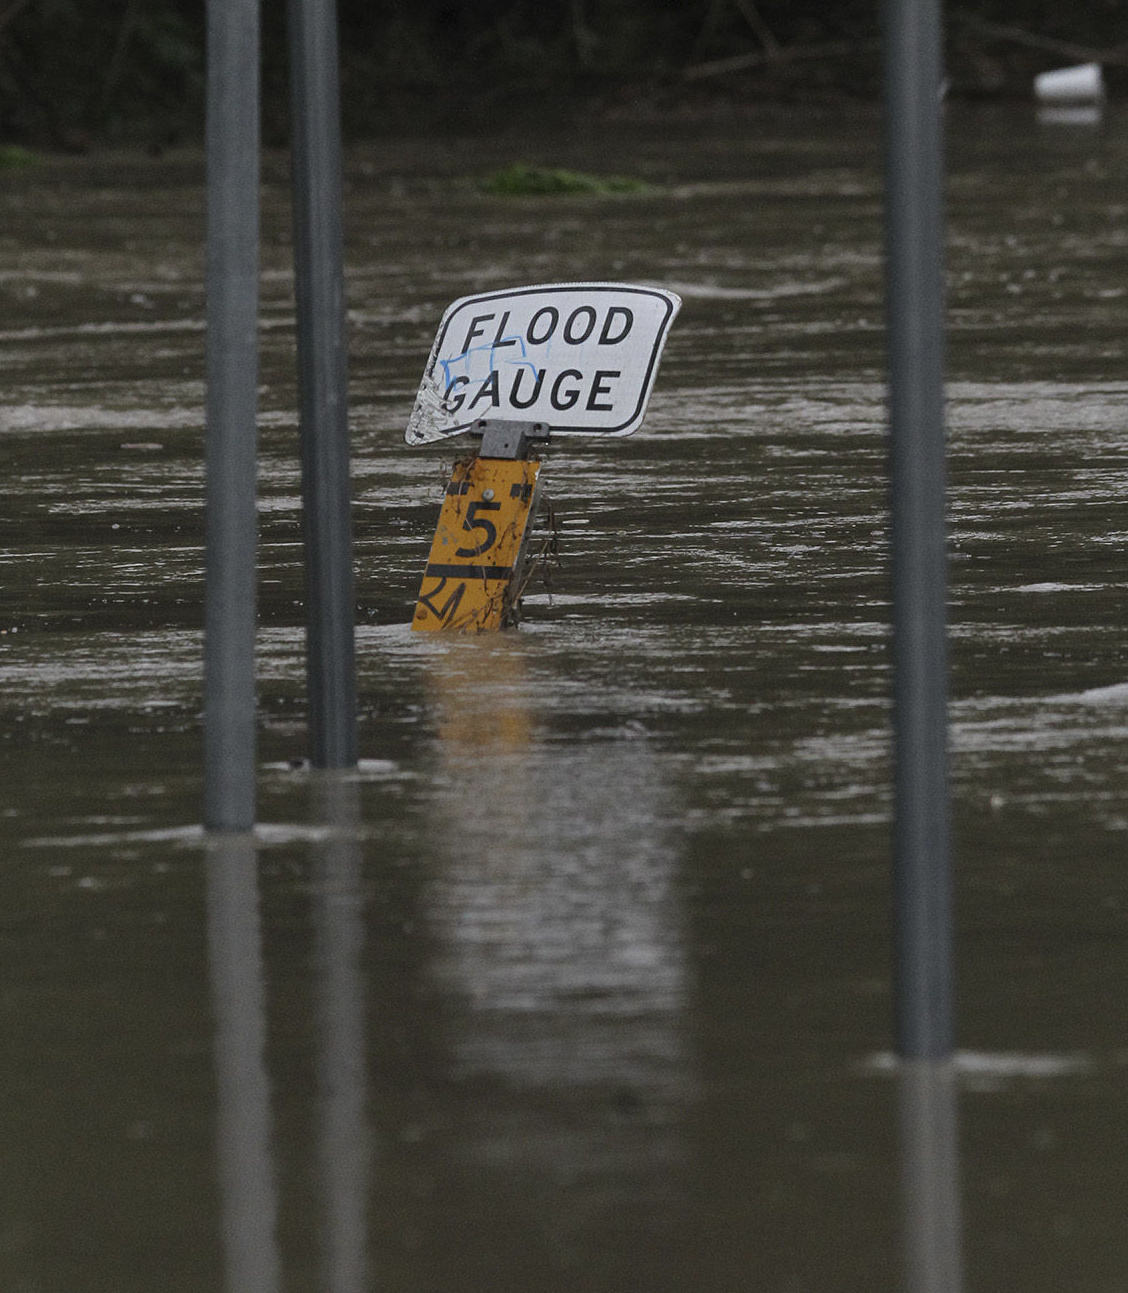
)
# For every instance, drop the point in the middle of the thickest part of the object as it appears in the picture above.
(710, 291)
(1116, 694)
(266, 834)
(57, 417)
(185, 835)
(365, 769)
(1000, 1065)
(1063, 588)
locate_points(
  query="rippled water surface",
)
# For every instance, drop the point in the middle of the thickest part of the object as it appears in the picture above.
(582, 981)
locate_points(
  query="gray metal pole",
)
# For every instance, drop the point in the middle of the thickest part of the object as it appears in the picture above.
(914, 228)
(232, 402)
(322, 378)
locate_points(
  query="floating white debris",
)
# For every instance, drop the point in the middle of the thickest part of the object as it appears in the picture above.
(1082, 83)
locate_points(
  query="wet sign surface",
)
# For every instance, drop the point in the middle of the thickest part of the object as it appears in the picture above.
(579, 357)
(478, 546)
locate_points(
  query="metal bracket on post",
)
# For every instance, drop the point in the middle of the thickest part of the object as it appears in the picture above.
(510, 439)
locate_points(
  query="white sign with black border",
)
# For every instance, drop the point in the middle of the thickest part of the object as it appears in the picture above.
(579, 357)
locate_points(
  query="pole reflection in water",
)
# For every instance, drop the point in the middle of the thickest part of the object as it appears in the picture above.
(930, 1176)
(246, 1168)
(343, 1141)
(558, 944)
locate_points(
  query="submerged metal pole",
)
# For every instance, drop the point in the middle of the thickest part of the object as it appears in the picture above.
(915, 285)
(343, 1134)
(232, 403)
(248, 1190)
(322, 378)
(922, 883)
(930, 1174)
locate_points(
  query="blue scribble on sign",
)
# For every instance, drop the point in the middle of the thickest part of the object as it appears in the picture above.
(448, 365)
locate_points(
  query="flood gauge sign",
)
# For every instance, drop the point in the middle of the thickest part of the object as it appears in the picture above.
(579, 357)
(521, 367)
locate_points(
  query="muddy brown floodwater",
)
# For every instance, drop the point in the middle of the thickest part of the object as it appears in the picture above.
(582, 982)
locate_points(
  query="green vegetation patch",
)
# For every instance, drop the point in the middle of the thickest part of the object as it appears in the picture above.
(522, 180)
(13, 156)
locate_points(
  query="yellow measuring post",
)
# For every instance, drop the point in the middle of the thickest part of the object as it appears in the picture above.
(476, 555)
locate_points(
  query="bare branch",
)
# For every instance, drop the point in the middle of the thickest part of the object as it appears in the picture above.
(1117, 56)
(755, 20)
(783, 54)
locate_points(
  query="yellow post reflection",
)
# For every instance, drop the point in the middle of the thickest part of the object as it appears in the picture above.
(557, 929)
